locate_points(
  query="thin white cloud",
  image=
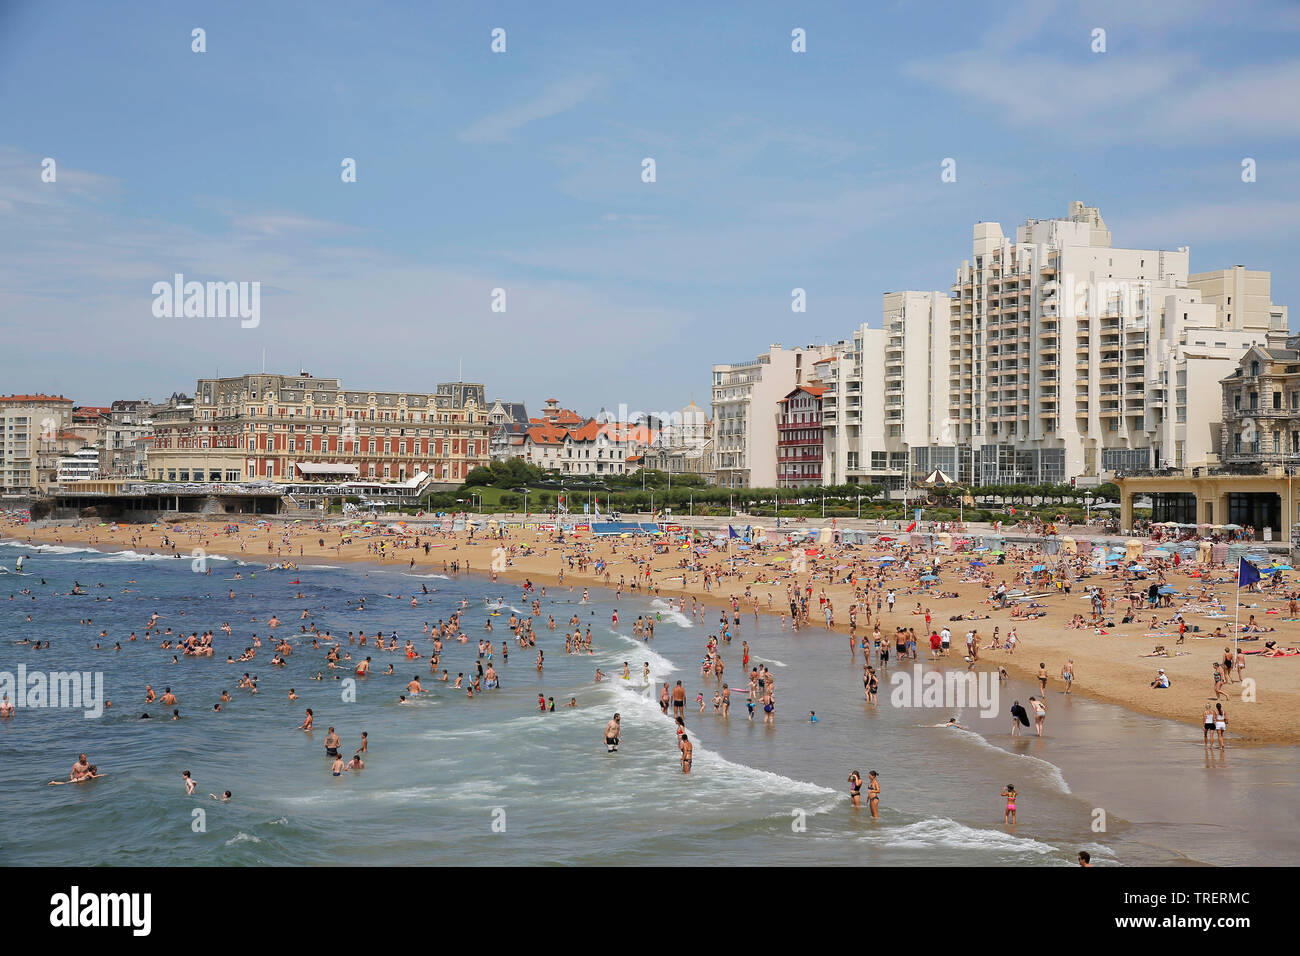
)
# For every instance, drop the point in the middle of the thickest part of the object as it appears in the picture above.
(1147, 87)
(1257, 219)
(555, 99)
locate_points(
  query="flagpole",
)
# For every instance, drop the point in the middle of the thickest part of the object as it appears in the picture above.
(1236, 620)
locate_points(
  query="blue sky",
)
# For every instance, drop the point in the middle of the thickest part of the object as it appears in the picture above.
(522, 171)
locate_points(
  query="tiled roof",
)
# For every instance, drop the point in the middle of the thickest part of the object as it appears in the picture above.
(35, 399)
(546, 435)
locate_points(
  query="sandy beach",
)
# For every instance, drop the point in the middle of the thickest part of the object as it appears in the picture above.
(1110, 667)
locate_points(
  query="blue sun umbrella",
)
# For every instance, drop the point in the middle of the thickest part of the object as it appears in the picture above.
(977, 564)
(929, 577)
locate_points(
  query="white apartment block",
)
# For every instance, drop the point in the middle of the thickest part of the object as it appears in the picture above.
(746, 398)
(82, 465)
(1073, 359)
(1055, 357)
(34, 432)
(886, 405)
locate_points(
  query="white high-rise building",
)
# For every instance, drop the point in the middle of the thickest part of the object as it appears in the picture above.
(887, 401)
(1073, 359)
(746, 397)
(34, 433)
(1055, 357)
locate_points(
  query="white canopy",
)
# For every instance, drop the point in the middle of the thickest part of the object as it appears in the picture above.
(325, 468)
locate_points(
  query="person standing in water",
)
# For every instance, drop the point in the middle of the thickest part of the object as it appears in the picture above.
(684, 743)
(1010, 793)
(613, 731)
(855, 789)
(873, 794)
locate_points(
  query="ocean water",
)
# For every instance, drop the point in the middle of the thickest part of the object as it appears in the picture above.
(492, 781)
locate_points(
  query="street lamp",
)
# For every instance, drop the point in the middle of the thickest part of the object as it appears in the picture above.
(1087, 505)
(859, 507)
(652, 504)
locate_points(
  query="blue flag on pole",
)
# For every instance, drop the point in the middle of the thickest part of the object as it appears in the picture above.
(731, 533)
(1247, 574)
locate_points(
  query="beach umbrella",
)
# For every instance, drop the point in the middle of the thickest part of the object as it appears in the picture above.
(1281, 567)
(1166, 590)
(1039, 567)
(929, 577)
(977, 564)
(1157, 553)
(1137, 567)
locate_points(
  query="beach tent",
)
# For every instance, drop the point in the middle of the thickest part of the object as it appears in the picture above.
(1068, 545)
(759, 534)
(945, 540)
(824, 536)
(1132, 549)
(937, 479)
